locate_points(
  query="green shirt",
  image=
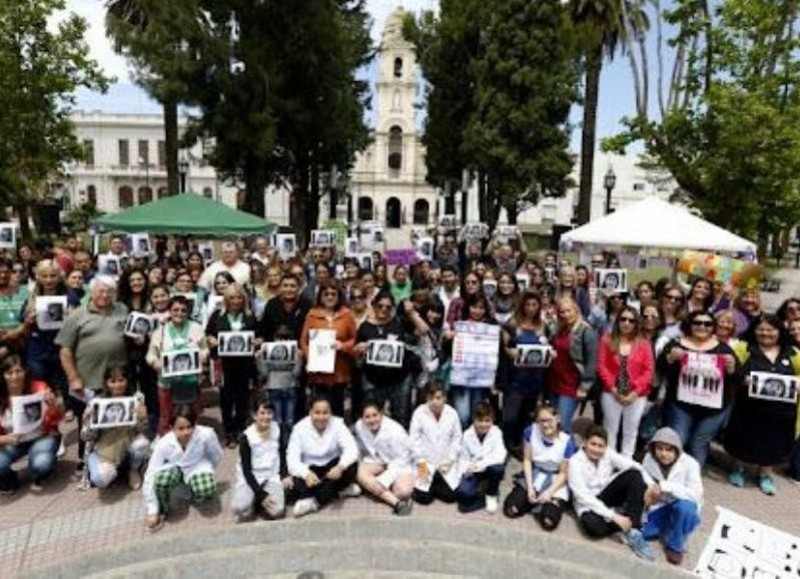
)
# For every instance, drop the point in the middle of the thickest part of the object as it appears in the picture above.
(11, 308)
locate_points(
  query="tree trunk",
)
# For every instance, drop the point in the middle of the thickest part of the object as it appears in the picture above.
(255, 182)
(512, 210)
(300, 201)
(312, 208)
(171, 146)
(594, 64)
(23, 214)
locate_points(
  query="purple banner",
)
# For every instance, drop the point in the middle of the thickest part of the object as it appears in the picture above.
(401, 256)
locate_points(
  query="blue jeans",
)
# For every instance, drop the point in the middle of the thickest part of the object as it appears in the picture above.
(465, 400)
(566, 406)
(674, 521)
(468, 492)
(284, 400)
(696, 429)
(41, 456)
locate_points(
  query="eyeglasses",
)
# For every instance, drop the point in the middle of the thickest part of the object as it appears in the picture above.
(792, 308)
(472, 282)
(703, 323)
(650, 316)
(383, 307)
(674, 298)
(627, 320)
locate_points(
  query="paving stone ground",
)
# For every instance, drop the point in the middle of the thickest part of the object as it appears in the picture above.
(63, 522)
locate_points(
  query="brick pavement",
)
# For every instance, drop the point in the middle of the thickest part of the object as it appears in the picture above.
(64, 522)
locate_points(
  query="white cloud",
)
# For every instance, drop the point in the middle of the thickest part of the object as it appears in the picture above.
(94, 12)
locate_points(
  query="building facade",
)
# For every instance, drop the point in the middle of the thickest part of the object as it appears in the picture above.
(126, 161)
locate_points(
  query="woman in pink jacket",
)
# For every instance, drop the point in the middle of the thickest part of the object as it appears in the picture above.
(625, 368)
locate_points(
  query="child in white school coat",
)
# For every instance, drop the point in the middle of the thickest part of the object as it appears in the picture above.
(322, 457)
(188, 454)
(261, 473)
(435, 445)
(482, 462)
(385, 469)
(674, 510)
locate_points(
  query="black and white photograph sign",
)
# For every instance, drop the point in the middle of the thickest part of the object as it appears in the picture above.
(8, 236)
(286, 243)
(323, 238)
(611, 280)
(489, 288)
(387, 353)
(377, 236)
(474, 231)
(742, 548)
(51, 311)
(27, 413)
(138, 324)
(113, 412)
(448, 223)
(109, 265)
(351, 247)
(523, 281)
(207, 251)
(504, 233)
(138, 244)
(425, 248)
(550, 275)
(418, 233)
(279, 356)
(533, 356)
(364, 261)
(236, 343)
(180, 363)
(773, 387)
(215, 302)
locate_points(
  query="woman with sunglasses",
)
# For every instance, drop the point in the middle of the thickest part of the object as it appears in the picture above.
(789, 311)
(761, 431)
(330, 313)
(672, 310)
(701, 374)
(471, 285)
(625, 368)
(359, 306)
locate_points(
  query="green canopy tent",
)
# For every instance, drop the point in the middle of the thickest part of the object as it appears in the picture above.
(186, 214)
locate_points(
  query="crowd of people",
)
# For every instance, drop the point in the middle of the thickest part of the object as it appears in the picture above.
(610, 397)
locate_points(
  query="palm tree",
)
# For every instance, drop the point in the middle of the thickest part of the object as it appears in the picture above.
(603, 27)
(126, 21)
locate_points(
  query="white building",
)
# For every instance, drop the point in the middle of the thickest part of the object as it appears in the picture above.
(125, 164)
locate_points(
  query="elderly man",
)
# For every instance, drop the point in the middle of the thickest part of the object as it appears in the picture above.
(261, 250)
(231, 263)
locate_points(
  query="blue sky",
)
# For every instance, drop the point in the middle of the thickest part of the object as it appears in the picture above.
(616, 93)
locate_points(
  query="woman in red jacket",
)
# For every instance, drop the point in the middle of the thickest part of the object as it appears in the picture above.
(625, 368)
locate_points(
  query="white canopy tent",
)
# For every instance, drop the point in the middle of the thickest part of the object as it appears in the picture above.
(653, 223)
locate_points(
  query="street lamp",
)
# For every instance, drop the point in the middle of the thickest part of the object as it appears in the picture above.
(609, 181)
(183, 169)
(146, 164)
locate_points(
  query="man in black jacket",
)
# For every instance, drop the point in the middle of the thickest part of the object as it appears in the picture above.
(288, 310)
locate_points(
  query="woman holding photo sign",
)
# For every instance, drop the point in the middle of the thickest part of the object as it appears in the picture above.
(761, 430)
(40, 442)
(700, 373)
(179, 334)
(238, 372)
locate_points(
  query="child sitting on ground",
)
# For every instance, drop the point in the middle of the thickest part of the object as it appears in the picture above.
(482, 462)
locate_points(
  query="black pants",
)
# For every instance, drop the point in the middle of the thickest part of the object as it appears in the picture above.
(624, 494)
(518, 405)
(335, 394)
(474, 488)
(439, 490)
(548, 514)
(234, 395)
(327, 489)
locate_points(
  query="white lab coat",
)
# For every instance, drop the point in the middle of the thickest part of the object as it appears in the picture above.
(482, 454)
(308, 447)
(390, 446)
(203, 454)
(435, 442)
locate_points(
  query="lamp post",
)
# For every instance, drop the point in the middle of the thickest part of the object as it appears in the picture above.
(609, 181)
(146, 164)
(183, 169)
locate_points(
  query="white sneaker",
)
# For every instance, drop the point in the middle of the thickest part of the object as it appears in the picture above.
(491, 504)
(304, 507)
(351, 491)
(62, 450)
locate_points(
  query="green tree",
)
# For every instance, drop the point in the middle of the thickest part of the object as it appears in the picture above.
(603, 27)
(41, 67)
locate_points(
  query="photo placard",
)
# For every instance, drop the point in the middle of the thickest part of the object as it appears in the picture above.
(489, 288)
(385, 353)
(321, 355)
(505, 233)
(611, 280)
(113, 412)
(364, 261)
(523, 281)
(280, 356)
(51, 311)
(323, 238)
(474, 231)
(448, 223)
(207, 251)
(215, 303)
(27, 414)
(351, 247)
(180, 363)
(533, 356)
(286, 243)
(377, 236)
(8, 236)
(550, 275)
(138, 244)
(230, 344)
(701, 381)
(773, 387)
(138, 324)
(425, 248)
(109, 265)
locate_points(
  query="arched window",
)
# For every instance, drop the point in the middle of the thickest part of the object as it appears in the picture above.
(421, 212)
(125, 197)
(365, 209)
(207, 192)
(162, 192)
(393, 213)
(145, 195)
(398, 67)
(91, 195)
(395, 148)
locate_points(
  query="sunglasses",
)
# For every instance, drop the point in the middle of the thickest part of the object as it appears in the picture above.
(472, 282)
(383, 307)
(674, 298)
(703, 323)
(627, 320)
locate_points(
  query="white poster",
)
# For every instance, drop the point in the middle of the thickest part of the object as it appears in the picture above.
(139, 244)
(109, 265)
(207, 251)
(286, 244)
(523, 281)
(611, 280)
(233, 344)
(27, 413)
(533, 356)
(138, 324)
(476, 349)
(280, 356)
(113, 412)
(8, 236)
(351, 247)
(701, 380)
(741, 548)
(773, 387)
(386, 353)
(323, 238)
(505, 233)
(51, 311)
(321, 355)
(180, 363)
(425, 248)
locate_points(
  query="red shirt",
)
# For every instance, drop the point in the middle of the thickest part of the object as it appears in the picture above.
(564, 377)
